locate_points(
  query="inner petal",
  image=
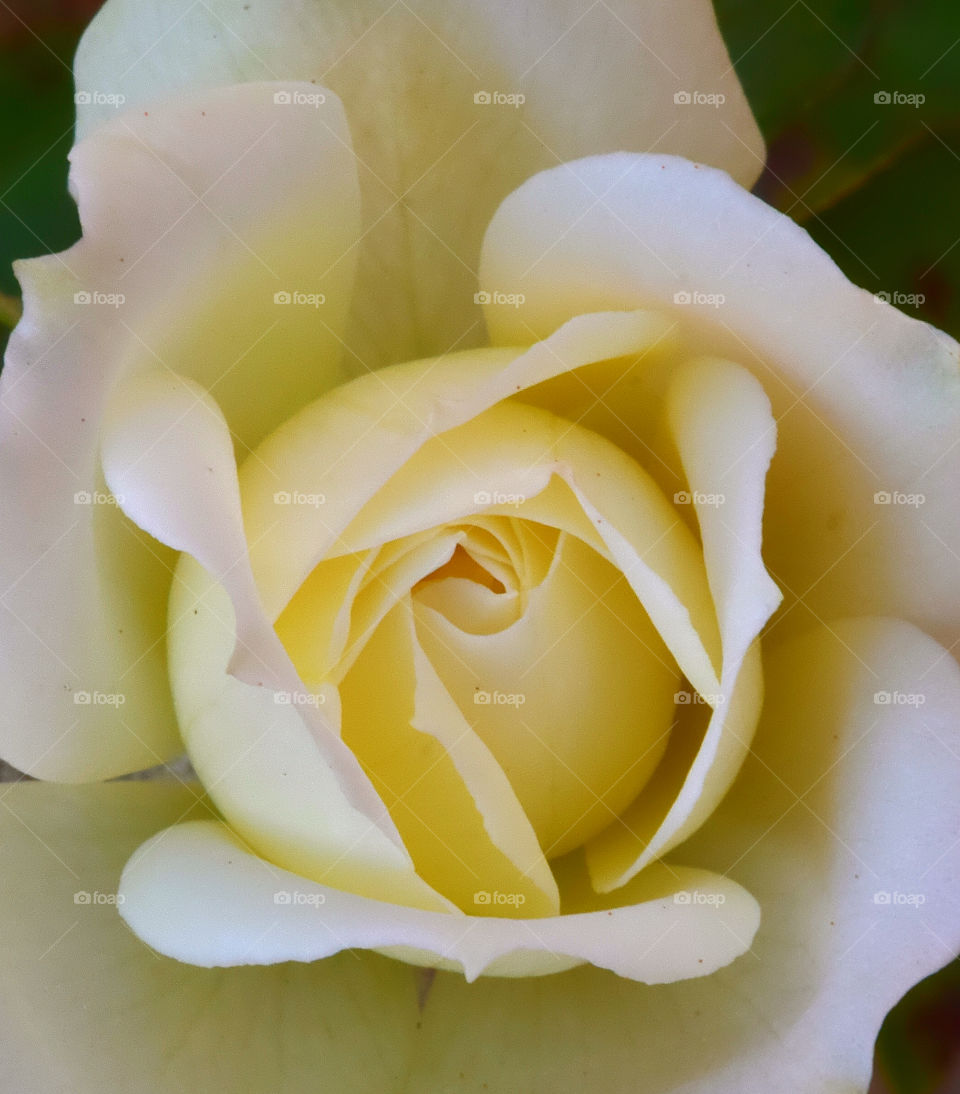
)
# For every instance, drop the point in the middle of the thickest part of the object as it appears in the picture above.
(575, 699)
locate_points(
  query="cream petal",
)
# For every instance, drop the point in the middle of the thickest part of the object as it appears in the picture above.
(397, 411)
(725, 433)
(866, 399)
(159, 430)
(459, 816)
(434, 162)
(186, 239)
(198, 895)
(261, 765)
(878, 812)
(575, 699)
(85, 1006)
(391, 413)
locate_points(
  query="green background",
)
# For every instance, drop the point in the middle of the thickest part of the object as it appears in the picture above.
(875, 183)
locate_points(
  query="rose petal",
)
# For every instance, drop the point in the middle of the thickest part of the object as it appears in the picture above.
(326, 817)
(459, 816)
(588, 695)
(87, 1007)
(397, 411)
(434, 163)
(196, 893)
(878, 812)
(866, 399)
(724, 431)
(187, 219)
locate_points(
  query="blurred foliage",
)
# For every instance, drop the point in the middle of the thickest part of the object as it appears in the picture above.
(37, 42)
(875, 182)
(873, 179)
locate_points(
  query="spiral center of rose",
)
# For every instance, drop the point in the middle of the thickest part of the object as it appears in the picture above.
(507, 630)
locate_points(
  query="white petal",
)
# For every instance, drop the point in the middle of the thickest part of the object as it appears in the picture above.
(434, 163)
(189, 230)
(725, 434)
(85, 1006)
(194, 892)
(878, 813)
(866, 399)
(167, 456)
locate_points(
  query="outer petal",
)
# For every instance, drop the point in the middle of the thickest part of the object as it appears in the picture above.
(725, 434)
(185, 878)
(435, 163)
(86, 1007)
(866, 399)
(167, 454)
(843, 802)
(189, 230)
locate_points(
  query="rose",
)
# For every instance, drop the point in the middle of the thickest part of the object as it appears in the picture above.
(791, 769)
